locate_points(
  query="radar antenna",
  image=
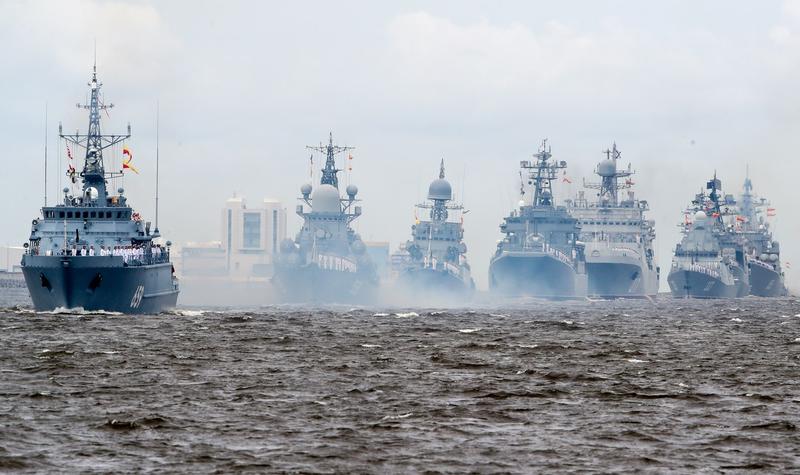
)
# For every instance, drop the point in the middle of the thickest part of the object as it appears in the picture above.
(541, 174)
(94, 142)
(609, 185)
(329, 176)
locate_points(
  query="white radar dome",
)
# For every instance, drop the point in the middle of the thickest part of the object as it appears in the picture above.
(325, 199)
(607, 168)
(440, 189)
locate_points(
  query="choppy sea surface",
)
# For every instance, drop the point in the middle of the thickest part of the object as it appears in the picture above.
(665, 386)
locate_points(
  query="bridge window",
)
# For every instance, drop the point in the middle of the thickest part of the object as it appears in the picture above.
(108, 214)
(69, 214)
(93, 214)
(85, 214)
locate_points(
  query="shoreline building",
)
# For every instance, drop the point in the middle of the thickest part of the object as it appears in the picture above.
(236, 268)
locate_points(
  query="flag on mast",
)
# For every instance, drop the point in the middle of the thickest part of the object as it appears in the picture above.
(126, 163)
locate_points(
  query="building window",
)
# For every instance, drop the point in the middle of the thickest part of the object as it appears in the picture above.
(251, 230)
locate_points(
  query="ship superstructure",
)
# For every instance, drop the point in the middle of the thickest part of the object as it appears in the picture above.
(327, 261)
(434, 262)
(620, 257)
(92, 251)
(540, 255)
(766, 274)
(711, 259)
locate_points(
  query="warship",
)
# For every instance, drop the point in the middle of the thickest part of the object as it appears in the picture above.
(620, 260)
(433, 263)
(766, 275)
(540, 255)
(92, 250)
(327, 262)
(711, 259)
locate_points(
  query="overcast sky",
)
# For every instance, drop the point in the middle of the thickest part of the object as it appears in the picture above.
(683, 87)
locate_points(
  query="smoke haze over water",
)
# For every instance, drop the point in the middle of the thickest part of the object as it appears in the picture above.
(683, 88)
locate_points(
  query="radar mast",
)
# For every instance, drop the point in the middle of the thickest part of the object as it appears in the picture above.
(329, 173)
(94, 142)
(609, 185)
(541, 174)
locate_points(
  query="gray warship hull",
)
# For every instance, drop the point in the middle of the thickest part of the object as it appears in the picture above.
(312, 284)
(535, 274)
(616, 280)
(693, 284)
(432, 283)
(765, 282)
(98, 283)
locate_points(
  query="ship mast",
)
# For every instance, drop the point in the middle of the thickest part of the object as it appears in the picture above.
(439, 210)
(747, 198)
(94, 142)
(329, 173)
(541, 175)
(714, 185)
(609, 185)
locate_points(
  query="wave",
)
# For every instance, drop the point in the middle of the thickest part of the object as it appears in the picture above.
(186, 313)
(77, 311)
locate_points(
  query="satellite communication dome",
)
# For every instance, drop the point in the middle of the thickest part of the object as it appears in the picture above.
(440, 189)
(607, 168)
(352, 190)
(700, 218)
(306, 189)
(326, 200)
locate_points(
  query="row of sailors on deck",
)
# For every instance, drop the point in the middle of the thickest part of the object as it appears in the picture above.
(128, 253)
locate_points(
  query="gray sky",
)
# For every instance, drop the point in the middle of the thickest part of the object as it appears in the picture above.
(683, 87)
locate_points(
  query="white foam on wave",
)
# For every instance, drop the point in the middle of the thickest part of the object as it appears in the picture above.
(498, 315)
(469, 330)
(737, 320)
(401, 416)
(634, 360)
(189, 313)
(367, 345)
(76, 311)
(527, 346)
(406, 314)
(797, 340)
(380, 314)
